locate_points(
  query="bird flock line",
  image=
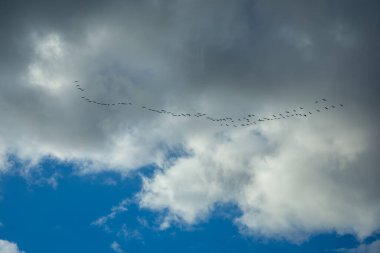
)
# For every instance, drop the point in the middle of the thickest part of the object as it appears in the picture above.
(244, 121)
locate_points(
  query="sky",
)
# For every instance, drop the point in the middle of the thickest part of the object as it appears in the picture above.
(301, 175)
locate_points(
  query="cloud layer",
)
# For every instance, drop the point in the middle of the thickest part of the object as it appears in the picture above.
(290, 178)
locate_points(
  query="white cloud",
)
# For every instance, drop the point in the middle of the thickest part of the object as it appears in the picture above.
(103, 221)
(9, 247)
(290, 180)
(116, 247)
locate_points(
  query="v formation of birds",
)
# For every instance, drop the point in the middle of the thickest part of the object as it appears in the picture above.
(243, 121)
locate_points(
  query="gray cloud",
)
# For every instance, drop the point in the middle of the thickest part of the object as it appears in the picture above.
(291, 178)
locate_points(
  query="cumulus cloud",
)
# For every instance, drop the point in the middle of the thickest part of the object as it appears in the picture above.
(9, 247)
(290, 178)
(289, 181)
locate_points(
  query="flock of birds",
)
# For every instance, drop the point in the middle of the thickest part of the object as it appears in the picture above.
(244, 121)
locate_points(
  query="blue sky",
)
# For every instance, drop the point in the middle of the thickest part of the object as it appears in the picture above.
(178, 125)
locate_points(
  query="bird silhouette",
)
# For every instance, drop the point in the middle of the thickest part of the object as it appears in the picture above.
(245, 118)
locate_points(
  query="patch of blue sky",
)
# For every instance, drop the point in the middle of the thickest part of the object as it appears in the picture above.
(41, 218)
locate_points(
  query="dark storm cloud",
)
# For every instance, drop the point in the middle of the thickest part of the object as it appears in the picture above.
(288, 47)
(259, 46)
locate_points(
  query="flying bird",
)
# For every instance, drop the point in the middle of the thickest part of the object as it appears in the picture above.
(247, 117)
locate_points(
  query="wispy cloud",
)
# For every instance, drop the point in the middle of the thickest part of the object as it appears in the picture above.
(116, 247)
(115, 210)
(373, 247)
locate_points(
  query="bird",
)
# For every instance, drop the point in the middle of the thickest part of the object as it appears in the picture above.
(324, 99)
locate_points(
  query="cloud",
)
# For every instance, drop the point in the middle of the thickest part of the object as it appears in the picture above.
(9, 247)
(116, 247)
(129, 233)
(290, 178)
(372, 247)
(104, 220)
